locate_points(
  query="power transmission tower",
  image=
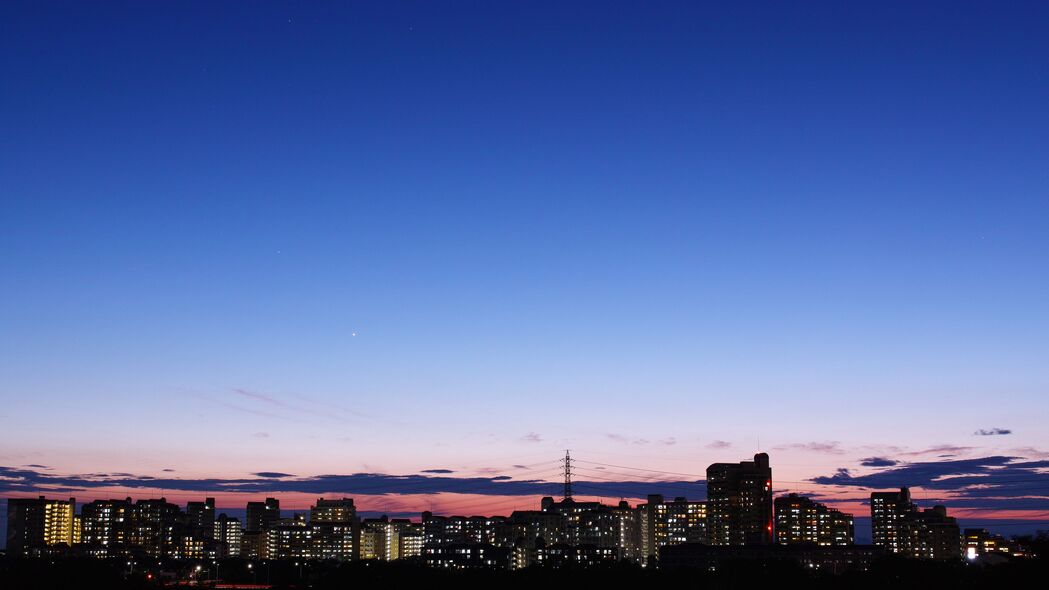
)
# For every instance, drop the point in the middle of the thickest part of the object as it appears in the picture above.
(567, 462)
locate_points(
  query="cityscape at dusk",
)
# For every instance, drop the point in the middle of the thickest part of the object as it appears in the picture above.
(405, 256)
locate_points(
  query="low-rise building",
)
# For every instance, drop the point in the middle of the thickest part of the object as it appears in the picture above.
(980, 543)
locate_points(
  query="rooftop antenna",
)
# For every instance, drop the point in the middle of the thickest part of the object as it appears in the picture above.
(567, 462)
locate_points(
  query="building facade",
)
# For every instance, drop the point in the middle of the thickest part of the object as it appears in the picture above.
(389, 539)
(672, 522)
(341, 511)
(739, 502)
(200, 518)
(981, 543)
(899, 526)
(228, 534)
(260, 515)
(803, 521)
(36, 524)
(104, 526)
(154, 528)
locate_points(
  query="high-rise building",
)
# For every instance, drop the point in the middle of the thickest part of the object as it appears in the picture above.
(739, 502)
(529, 530)
(78, 529)
(153, 527)
(412, 541)
(934, 535)
(629, 532)
(464, 556)
(671, 522)
(336, 529)
(228, 534)
(561, 555)
(200, 518)
(898, 525)
(25, 526)
(584, 523)
(389, 539)
(803, 521)
(342, 511)
(253, 545)
(59, 519)
(34, 524)
(888, 509)
(260, 515)
(445, 530)
(104, 526)
(289, 538)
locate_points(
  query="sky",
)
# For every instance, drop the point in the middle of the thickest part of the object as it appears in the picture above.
(411, 252)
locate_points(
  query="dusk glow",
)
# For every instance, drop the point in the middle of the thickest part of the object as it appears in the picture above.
(410, 252)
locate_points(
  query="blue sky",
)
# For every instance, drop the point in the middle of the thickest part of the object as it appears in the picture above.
(337, 238)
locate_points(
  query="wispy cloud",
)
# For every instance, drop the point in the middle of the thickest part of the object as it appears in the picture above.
(441, 471)
(252, 411)
(291, 407)
(273, 474)
(1030, 452)
(262, 397)
(938, 450)
(829, 447)
(532, 437)
(719, 444)
(624, 439)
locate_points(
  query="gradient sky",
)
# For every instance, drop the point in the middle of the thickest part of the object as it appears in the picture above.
(313, 238)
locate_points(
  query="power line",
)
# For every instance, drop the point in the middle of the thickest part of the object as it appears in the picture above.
(639, 468)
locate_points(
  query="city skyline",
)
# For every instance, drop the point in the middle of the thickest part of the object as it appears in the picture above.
(424, 248)
(741, 515)
(440, 491)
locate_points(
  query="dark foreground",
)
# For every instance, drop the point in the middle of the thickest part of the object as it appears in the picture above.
(77, 574)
